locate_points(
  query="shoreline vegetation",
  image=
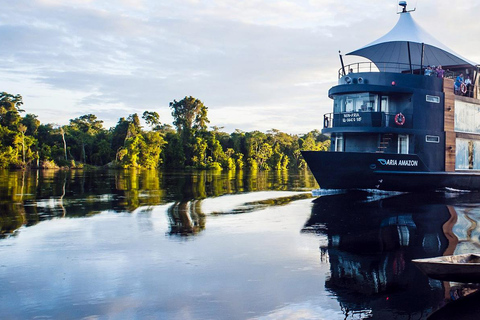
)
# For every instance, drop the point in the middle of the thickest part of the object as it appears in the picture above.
(188, 144)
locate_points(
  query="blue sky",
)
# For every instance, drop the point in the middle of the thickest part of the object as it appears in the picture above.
(256, 64)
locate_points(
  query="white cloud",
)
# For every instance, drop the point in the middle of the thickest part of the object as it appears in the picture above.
(239, 57)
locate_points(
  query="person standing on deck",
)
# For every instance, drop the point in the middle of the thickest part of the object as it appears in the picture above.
(458, 83)
(428, 71)
(440, 72)
(468, 83)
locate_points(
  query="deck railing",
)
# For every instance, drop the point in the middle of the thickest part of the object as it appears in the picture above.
(405, 68)
(367, 119)
(379, 67)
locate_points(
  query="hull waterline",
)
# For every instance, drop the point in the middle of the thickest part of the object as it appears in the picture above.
(391, 172)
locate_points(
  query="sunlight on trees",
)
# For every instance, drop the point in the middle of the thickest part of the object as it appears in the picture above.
(25, 142)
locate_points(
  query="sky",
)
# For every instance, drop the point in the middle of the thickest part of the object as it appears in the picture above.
(256, 64)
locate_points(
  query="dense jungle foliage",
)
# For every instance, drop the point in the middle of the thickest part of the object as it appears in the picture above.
(190, 143)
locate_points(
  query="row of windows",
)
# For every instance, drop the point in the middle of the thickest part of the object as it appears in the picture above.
(402, 142)
(467, 151)
(369, 102)
(359, 102)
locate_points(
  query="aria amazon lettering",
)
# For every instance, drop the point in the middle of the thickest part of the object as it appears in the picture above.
(395, 162)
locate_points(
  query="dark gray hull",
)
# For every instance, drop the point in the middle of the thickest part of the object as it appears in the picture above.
(392, 172)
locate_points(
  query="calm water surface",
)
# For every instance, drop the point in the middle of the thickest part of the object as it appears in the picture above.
(149, 245)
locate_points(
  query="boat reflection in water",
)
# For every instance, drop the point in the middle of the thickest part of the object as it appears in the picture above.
(371, 243)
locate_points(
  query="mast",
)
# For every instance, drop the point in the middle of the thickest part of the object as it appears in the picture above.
(421, 58)
(341, 61)
(409, 57)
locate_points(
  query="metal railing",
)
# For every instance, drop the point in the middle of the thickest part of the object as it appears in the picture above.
(379, 67)
(368, 119)
(417, 69)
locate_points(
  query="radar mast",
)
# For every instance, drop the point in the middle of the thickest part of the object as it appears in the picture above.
(403, 4)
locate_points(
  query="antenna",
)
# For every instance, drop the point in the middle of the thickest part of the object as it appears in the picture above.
(404, 5)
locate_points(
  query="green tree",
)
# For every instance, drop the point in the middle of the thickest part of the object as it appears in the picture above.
(199, 158)
(83, 130)
(22, 128)
(32, 123)
(190, 116)
(152, 119)
(151, 149)
(174, 155)
(10, 110)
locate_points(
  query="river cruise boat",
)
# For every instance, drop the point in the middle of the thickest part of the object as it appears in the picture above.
(406, 120)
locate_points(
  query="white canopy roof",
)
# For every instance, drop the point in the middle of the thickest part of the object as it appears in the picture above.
(392, 48)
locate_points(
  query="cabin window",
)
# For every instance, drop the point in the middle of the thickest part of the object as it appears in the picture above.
(358, 102)
(339, 143)
(467, 154)
(349, 106)
(476, 155)
(434, 99)
(461, 156)
(467, 117)
(432, 139)
(384, 104)
(403, 144)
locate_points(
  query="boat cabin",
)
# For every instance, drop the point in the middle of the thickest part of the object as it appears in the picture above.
(413, 97)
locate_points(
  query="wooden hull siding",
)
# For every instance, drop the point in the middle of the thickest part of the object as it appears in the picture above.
(449, 124)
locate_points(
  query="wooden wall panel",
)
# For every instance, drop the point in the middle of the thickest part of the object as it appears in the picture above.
(450, 142)
(449, 106)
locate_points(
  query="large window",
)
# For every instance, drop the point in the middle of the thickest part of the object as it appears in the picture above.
(467, 154)
(358, 102)
(463, 154)
(467, 117)
(384, 104)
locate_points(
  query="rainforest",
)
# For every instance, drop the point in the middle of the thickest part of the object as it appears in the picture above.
(190, 142)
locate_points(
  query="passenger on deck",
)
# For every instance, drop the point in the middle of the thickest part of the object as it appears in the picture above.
(458, 83)
(468, 83)
(440, 72)
(428, 71)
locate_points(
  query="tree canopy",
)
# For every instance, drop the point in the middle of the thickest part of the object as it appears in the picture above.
(25, 142)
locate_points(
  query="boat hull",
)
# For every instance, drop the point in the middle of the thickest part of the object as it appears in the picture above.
(393, 172)
(459, 268)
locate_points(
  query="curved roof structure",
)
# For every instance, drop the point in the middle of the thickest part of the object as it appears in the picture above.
(405, 39)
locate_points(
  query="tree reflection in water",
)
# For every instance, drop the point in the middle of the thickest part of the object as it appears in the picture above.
(368, 246)
(28, 197)
(186, 218)
(371, 244)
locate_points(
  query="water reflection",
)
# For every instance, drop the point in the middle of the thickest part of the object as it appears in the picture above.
(371, 244)
(28, 197)
(186, 218)
(250, 259)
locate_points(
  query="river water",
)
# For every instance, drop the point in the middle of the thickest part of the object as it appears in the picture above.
(204, 245)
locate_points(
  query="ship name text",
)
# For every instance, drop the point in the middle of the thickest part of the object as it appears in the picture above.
(351, 117)
(401, 163)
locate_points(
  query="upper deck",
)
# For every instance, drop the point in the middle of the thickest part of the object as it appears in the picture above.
(370, 96)
(393, 67)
